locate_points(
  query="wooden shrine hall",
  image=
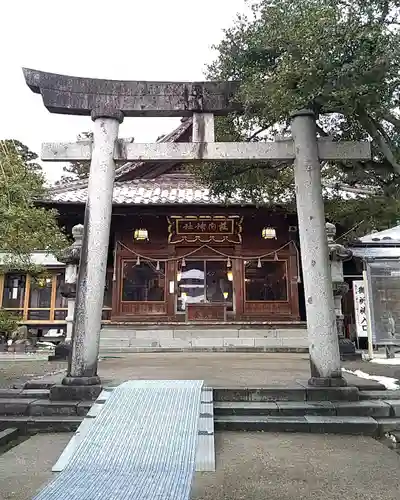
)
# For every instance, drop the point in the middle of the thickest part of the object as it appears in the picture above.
(178, 254)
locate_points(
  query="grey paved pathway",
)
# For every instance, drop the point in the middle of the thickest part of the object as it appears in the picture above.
(25, 468)
(300, 467)
(217, 369)
(249, 467)
(18, 371)
(392, 371)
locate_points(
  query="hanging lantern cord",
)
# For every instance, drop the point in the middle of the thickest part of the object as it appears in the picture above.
(229, 258)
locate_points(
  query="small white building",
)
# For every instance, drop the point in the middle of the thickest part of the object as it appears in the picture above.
(380, 255)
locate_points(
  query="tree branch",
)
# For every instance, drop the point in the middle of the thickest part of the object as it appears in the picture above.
(321, 131)
(380, 128)
(388, 117)
(385, 12)
(376, 135)
(256, 133)
(348, 189)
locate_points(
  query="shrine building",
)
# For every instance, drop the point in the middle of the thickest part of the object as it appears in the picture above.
(178, 257)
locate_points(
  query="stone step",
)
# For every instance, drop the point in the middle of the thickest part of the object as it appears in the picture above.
(38, 384)
(309, 423)
(35, 393)
(385, 394)
(196, 333)
(276, 393)
(251, 423)
(362, 383)
(204, 339)
(375, 408)
(270, 350)
(25, 393)
(302, 408)
(27, 424)
(42, 407)
(15, 406)
(8, 435)
(388, 425)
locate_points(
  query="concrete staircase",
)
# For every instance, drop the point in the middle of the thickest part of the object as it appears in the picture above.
(350, 410)
(338, 411)
(222, 338)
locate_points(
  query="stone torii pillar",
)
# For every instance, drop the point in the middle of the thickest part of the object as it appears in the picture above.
(321, 321)
(82, 380)
(108, 101)
(93, 263)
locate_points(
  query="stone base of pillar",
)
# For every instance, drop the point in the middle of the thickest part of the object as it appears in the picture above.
(348, 350)
(88, 392)
(327, 382)
(390, 352)
(94, 380)
(61, 352)
(77, 389)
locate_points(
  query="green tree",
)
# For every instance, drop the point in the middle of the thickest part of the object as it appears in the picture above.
(76, 170)
(342, 60)
(24, 226)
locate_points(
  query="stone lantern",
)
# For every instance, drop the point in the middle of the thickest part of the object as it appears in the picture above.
(337, 255)
(70, 256)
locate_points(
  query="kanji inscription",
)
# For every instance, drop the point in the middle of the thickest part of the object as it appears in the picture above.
(204, 229)
(213, 226)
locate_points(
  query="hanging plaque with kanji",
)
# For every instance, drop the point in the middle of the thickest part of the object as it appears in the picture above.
(204, 229)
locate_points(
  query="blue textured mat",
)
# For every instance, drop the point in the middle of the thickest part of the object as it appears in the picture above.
(141, 446)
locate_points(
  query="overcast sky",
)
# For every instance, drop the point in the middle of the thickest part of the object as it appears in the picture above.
(116, 39)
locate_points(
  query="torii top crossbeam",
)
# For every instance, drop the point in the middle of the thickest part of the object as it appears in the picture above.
(80, 96)
(202, 100)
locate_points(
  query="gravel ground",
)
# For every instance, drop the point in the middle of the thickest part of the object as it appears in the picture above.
(392, 371)
(250, 466)
(217, 369)
(20, 371)
(26, 468)
(261, 466)
(223, 369)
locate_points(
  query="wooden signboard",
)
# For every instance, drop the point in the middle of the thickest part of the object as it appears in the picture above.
(204, 229)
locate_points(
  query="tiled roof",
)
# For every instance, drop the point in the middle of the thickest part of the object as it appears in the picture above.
(126, 168)
(122, 170)
(390, 236)
(166, 188)
(162, 191)
(382, 252)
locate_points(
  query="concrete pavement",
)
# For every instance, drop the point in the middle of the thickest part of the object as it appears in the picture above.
(300, 467)
(217, 369)
(252, 466)
(25, 468)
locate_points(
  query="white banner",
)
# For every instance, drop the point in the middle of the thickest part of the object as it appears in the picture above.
(360, 309)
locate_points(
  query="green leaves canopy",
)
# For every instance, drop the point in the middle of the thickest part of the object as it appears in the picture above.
(339, 58)
(24, 226)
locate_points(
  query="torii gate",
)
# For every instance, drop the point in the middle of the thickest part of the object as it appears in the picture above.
(108, 102)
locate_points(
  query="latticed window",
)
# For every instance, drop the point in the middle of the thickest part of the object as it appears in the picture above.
(266, 280)
(34, 298)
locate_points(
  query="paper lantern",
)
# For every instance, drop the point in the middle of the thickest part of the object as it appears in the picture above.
(140, 235)
(269, 233)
